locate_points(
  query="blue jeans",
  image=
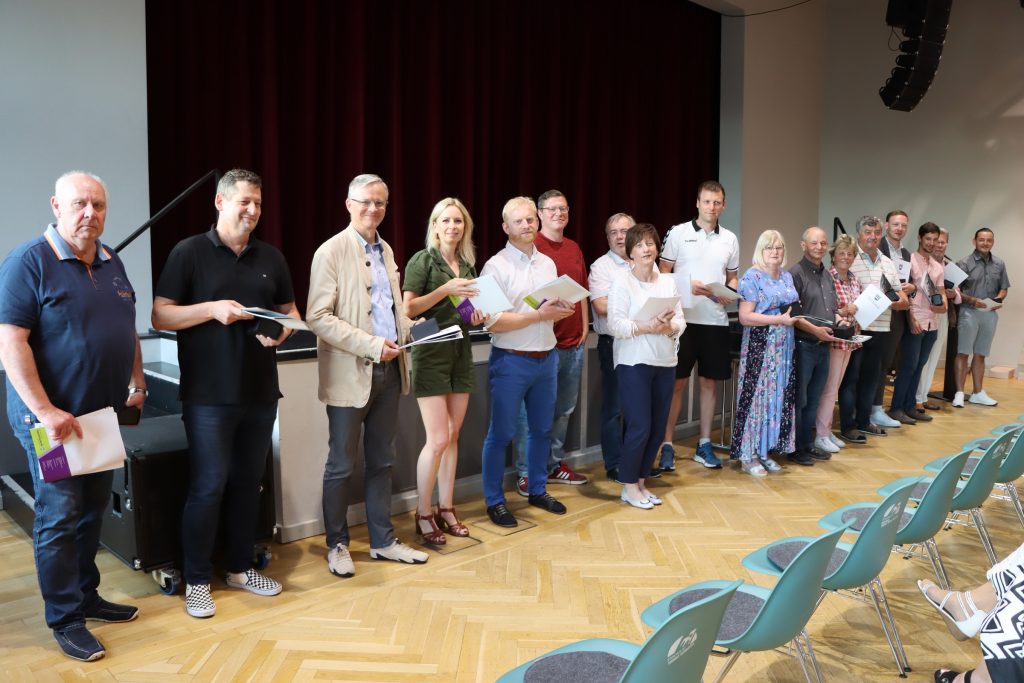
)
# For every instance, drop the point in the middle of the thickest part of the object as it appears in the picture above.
(66, 535)
(646, 392)
(811, 374)
(514, 379)
(611, 415)
(914, 350)
(227, 454)
(570, 370)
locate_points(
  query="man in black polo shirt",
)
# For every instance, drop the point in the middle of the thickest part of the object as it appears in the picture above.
(229, 387)
(811, 358)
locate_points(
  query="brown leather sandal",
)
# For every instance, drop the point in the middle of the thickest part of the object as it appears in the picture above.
(434, 536)
(455, 529)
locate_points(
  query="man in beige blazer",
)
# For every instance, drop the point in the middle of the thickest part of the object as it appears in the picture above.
(354, 308)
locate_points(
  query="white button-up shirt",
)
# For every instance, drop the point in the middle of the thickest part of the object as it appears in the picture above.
(519, 275)
(602, 274)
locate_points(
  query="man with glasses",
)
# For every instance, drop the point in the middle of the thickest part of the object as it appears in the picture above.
(707, 253)
(354, 308)
(570, 344)
(602, 273)
(986, 281)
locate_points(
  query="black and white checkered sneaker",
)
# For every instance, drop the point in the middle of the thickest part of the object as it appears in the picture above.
(198, 601)
(254, 582)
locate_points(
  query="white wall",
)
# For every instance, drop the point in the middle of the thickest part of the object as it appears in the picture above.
(73, 96)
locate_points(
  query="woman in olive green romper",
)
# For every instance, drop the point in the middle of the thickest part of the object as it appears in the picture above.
(442, 373)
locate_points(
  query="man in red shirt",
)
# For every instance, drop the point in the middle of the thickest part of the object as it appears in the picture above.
(571, 340)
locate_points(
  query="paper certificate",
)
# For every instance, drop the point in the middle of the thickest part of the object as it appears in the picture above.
(955, 274)
(655, 306)
(684, 287)
(450, 333)
(723, 292)
(490, 300)
(870, 304)
(279, 318)
(903, 267)
(564, 288)
(99, 448)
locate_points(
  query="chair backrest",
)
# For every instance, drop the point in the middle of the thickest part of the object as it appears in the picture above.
(978, 486)
(678, 651)
(935, 503)
(873, 546)
(1013, 464)
(792, 600)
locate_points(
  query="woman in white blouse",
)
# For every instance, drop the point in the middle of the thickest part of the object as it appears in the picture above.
(644, 355)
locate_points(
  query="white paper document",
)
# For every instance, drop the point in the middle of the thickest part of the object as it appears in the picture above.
(450, 333)
(685, 287)
(564, 288)
(903, 268)
(280, 318)
(655, 306)
(860, 338)
(870, 304)
(990, 303)
(99, 448)
(723, 292)
(955, 274)
(489, 300)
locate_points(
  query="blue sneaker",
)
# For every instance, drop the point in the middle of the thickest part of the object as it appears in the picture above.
(668, 458)
(705, 455)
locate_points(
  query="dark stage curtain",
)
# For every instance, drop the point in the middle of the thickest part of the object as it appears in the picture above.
(613, 103)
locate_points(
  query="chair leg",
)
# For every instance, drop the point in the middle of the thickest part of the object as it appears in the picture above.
(814, 660)
(728, 665)
(801, 657)
(986, 540)
(936, 559)
(1014, 495)
(882, 604)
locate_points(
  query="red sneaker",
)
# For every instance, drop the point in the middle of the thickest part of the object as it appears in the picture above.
(563, 475)
(523, 486)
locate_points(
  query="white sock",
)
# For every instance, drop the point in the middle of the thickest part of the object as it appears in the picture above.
(703, 440)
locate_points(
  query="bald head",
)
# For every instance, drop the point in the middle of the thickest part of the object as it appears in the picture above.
(814, 244)
(80, 205)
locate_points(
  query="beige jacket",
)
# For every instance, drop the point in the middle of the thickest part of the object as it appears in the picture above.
(338, 312)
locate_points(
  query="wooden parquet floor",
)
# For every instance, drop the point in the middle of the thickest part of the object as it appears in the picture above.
(475, 613)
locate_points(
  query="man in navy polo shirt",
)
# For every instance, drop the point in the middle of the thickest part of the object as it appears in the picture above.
(229, 386)
(69, 347)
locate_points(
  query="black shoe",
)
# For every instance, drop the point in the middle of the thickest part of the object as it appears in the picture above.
(817, 454)
(801, 458)
(500, 515)
(902, 417)
(101, 610)
(919, 415)
(613, 474)
(78, 643)
(654, 473)
(872, 430)
(851, 436)
(546, 502)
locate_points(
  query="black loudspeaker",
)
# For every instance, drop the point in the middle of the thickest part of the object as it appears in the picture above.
(924, 24)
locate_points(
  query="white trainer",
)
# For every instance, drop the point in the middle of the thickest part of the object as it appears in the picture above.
(880, 419)
(340, 562)
(825, 444)
(836, 441)
(958, 399)
(982, 399)
(399, 552)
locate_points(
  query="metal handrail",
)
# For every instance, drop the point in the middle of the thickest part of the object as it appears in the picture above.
(215, 173)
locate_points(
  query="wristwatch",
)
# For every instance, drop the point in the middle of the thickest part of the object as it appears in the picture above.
(137, 390)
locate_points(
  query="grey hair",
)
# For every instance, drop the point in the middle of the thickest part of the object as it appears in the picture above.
(868, 220)
(803, 237)
(63, 179)
(228, 182)
(364, 179)
(615, 217)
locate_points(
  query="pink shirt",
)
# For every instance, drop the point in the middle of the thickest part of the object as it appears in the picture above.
(920, 307)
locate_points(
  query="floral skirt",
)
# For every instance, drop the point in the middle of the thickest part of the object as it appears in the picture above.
(764, 423)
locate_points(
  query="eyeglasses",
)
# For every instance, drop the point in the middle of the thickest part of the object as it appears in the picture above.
(367, 203)
(774, 247)
(555, 209)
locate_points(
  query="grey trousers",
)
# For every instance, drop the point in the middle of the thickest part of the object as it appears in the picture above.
(376, 419)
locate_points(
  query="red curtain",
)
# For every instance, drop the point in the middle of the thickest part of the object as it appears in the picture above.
(613, 103)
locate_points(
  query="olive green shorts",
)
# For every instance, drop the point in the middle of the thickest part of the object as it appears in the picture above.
(443, 368)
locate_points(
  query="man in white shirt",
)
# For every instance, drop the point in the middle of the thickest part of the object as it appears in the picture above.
(707, 253)
(602, 273)
(523, 365)
(891, 245)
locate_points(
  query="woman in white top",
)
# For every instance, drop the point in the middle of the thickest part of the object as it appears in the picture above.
(644, 356)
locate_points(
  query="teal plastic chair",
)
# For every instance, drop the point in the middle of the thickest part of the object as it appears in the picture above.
(975, 490)
(854, 568)
(759, 618)
(983, 442)
(677, 651)
(1010, 470)
(916, 538)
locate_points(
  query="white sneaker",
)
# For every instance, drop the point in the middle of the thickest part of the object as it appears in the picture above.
(982, 399)
(198, 601)
(958, 399)
(880, 419)
(825, 444)
(836, 441)
(340, 562)
(254, 582)
(399, 552)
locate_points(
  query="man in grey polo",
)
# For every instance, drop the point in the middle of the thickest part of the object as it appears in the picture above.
(986, 281)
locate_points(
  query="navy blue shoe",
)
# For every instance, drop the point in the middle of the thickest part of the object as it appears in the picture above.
(76, 642)
(668, 458)
(705, 455)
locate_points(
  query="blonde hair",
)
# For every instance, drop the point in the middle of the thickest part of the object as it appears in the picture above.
(464, 249)
(513, 203)
(768, 238)
(842, 242)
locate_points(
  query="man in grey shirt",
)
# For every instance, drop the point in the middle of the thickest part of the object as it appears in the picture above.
(986, 281)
